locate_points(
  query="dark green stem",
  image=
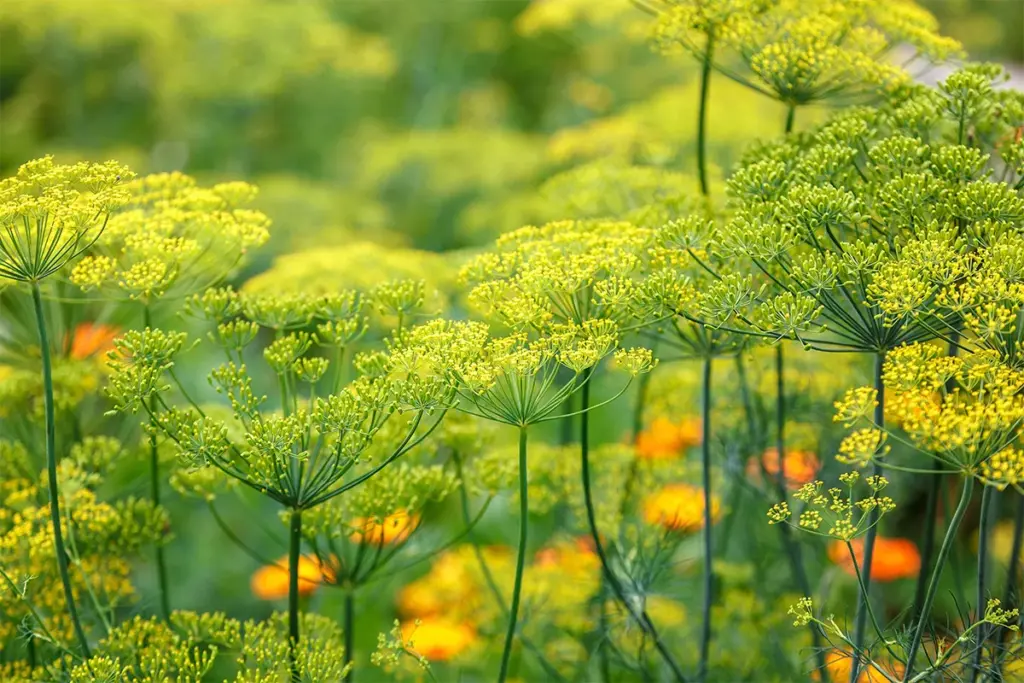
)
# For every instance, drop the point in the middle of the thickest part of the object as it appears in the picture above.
(705, 456)
(932, 505)
(933, 583)
(349, 625)
(790, 545)
(517, 586)
(1013, 568)
(639, 615)
(928, 538)
(294, 547)
(860, 626)
(984, 531)
(790, 118)
(702, 114)
(637, 427)
(154, 490)
(492, 585)
(51, 470)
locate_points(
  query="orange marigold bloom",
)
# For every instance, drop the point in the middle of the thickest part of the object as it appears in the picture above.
(894, 558)
(839, 666)
(679, 507)
(438, 638)
(666, 439)
(800, 466)
(91, 339)
(271, 582)
(394, 528)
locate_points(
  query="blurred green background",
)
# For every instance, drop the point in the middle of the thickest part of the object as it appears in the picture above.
(425, 122)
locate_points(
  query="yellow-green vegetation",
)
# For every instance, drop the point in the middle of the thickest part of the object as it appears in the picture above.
(550, 340)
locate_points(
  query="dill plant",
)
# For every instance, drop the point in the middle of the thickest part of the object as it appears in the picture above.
(170, 240)
(574, 274)
(50, 215)
(314, 447)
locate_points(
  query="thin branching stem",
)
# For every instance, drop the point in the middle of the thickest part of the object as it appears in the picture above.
(349, 627)
(789, 544)
(294, 546)
(705, 452)
(639, 615)
(860, 625)
(984, 532)
(702, 115)
(933, 583)
(517, 586)
(51, 470)
(154, 489)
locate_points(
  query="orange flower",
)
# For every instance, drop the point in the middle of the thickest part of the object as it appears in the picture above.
(800, 466)
(438, 638)
(394, 528)
(665, 439)
(839, 666)
(894, 558)
(271, 582)
(576, 553)
(679, 507)
(91, 339)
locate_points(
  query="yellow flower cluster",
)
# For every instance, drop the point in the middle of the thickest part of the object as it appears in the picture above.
(50, 214)
(101, 536)
(800, 51)
(173, 238)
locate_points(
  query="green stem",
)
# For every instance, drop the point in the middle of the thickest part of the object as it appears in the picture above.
(51, 470)
(984, 531)
(517, 586)
(702, 114)
(642, 390)
(1013, 570)
(790, 118)
(705, 452)
(492, 585)
(640, 615)
(860, 626)
(928, 538)
(791, 547)
(933, 583)
(154, 490)
(349, 626)
(294, 546)
(932, 504)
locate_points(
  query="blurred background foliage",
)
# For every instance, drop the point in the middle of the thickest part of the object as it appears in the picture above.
(425, 123)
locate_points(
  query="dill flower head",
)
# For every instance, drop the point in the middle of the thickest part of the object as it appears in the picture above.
(395, 528)
(679, 507)
(361, 267)
(893, 559)
(666, 439)
(271, 582)
(850, 237)
(564, 272)
(800, 467)
(173, 238)
(93, 339)
(438, 638)
(610, 190)
(51, 214)
(805, 50)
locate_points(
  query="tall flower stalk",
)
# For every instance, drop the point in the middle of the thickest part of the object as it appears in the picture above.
(51, 472)
(49, 216)
(514, 380)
